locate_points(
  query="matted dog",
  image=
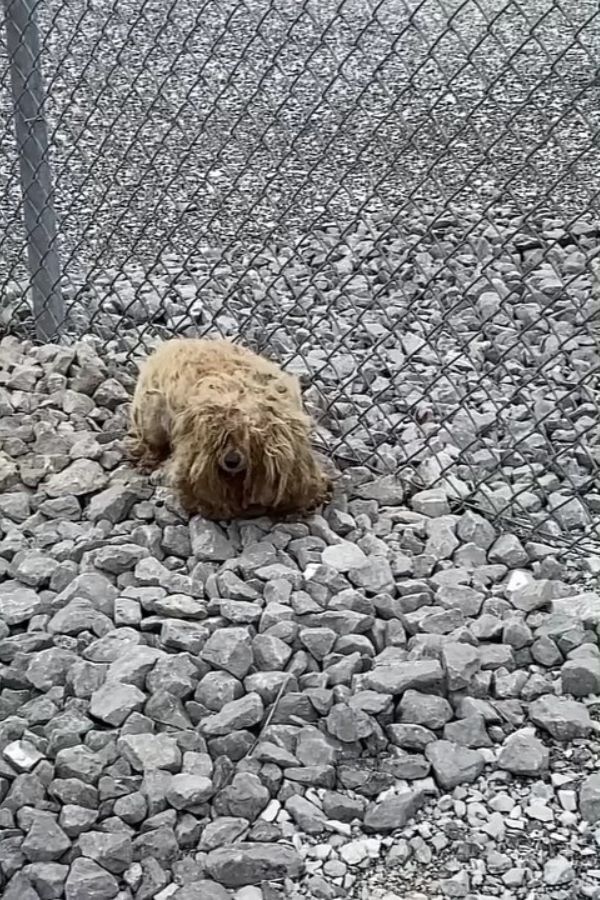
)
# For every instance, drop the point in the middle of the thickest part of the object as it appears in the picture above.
(233, 427)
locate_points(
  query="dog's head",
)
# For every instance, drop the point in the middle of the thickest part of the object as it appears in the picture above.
(245, 450)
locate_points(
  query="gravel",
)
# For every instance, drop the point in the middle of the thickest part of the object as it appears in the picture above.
(399, 697)
(382, 699)
(288, 176)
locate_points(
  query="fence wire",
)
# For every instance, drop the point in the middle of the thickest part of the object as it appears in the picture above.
(398, 200)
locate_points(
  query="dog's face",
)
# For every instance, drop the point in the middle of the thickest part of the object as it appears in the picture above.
(243, 452)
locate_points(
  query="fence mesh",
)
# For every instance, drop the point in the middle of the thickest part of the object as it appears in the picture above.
(398, 200)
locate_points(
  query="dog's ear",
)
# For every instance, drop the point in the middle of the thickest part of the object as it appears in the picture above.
(282, 457)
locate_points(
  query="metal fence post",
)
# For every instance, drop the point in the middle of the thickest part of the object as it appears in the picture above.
(23, 46)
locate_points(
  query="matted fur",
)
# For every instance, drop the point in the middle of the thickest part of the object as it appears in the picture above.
(196, 401)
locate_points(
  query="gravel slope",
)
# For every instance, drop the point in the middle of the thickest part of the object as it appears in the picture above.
(397, 698)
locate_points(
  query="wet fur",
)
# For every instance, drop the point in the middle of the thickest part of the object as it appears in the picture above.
(195, 400)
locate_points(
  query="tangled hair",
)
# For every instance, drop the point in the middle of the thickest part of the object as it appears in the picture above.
(239, 446)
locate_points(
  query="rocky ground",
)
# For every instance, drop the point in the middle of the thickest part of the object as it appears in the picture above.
(398, 698)
(391, 699)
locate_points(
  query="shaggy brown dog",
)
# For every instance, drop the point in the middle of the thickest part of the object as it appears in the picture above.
(234, 426)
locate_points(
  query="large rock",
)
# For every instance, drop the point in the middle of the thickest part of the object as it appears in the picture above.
(581, 676)
(394, 811)
(584, 606)
(113, 851)
(209, 541)
(150, 751)
(250, 863)
(524, 754)
(114, 702)
(45, 841)
(589, 798)
(396, 677)
(229, 649)
(453, 765)
(88, 881)
(344, 556)
(564, 719)
(84, 476)
(18, 604)
(235, 715)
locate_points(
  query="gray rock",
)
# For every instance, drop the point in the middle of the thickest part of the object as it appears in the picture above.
(557, 871)
(33, 569)
(570, 512)
(113, 851)
(187, 791)
(509, 551)
(240, 612)
(131, 665)
(349, 725)
(342, 807)
(473, 528)
(581, 676)
(524, 754)
(394, 812)
(532, 596)
(222, 832)
(244, 798)
(246, 712)
(271, 654)
(80, 477)
(229, 649)
(410, 737)
(47, 878)
(18, 604)
(119, 558)
(545, 652)
(201, 890)
(75, 819)
(150, 751)
(428, 710)
(209, 541)
(453, 764)
(45, 840)
(78, 762)
(432, 502)
(374, 577)
(344, 556)
(396, 677)
(387, 490)
(461, 663)
(564, 720)
(19, 887)
(22, 755)
(88, 881)
(589, 798)
(468, 732)
(218, 688)
(114, 702)
(442, 540)
(585, 607)
(78, 616)
(114, 503)
(249, 863)
(318, 641)
(308, 817)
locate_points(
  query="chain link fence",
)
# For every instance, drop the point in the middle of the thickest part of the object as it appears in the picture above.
(397, 199)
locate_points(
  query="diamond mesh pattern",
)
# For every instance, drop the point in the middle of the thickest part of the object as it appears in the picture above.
(397, 199)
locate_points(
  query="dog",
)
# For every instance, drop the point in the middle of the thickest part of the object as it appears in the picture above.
(232, 426)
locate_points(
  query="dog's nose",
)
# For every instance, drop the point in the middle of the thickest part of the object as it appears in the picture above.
(233, 461)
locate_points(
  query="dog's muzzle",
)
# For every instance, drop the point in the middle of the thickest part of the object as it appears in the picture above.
(233, 462)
